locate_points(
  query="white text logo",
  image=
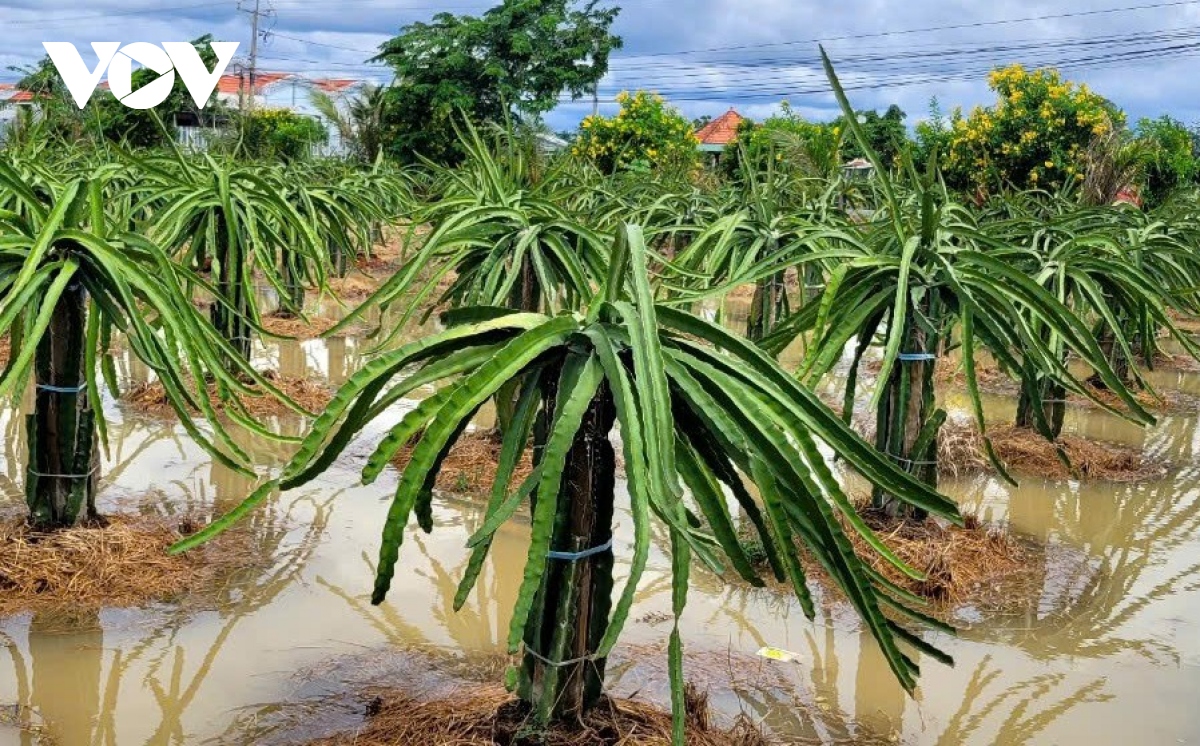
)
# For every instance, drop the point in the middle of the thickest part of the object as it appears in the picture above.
(118, 60)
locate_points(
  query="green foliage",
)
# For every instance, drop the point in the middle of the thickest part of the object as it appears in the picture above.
(72, 276)
(932, 134)
(280, 134)
(921, 272)
(797, 145)
(696, 405)
(645, 135)
(1035, 136)
(513, 61)
(1169, 158)
(884, 134)
(359, 120)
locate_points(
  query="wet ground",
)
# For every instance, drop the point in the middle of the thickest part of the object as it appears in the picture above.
(1106, 650)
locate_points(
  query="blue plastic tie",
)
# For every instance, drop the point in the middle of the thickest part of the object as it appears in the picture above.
(576, 556)
(63, 389)
(916, 357)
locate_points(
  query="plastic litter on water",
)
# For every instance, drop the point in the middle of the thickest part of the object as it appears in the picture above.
(777, 654)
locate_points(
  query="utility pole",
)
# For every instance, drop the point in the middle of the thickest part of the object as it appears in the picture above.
(255, 15)
(596, 100)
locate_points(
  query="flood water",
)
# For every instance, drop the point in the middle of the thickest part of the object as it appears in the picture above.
(1105, 651)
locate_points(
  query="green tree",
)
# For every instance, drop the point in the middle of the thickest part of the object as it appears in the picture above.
(697, 406)
(358, 119)
(1169, 158)
(924, 274)
(514, 61)
(932, 134)
(885, 134)
(71, 276)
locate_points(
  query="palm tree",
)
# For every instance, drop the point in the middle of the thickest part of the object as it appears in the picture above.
(694, 403)
(71, 276)
(358, 119)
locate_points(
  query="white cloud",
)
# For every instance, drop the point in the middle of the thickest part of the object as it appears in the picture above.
(862, 34)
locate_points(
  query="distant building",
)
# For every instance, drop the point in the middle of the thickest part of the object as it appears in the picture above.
(719, 133)
(549, 144)
(279, 90)
(858, 169)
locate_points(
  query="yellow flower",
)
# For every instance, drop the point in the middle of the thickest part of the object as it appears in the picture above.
(1049, 164)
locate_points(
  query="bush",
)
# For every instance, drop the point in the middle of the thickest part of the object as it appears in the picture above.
(1169, 158)
(803, 147)
(280, 134)
(645, 135)
(1035, 136)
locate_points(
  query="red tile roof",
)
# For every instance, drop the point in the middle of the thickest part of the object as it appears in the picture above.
(20, 97)
(722, 130)
(232, 84)
(334, 85)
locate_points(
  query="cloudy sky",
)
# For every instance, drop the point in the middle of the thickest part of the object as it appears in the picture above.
(709, 55)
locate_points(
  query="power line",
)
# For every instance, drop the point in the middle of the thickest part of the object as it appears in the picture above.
(733, 94)
(913, 60)
(931, 29)
(323, 44)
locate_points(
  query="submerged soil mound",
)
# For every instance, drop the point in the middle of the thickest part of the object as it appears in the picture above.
(355, 286)
(119, 562)
(487, 715)
(470, 467)
(151, 398)
(975, 563)
(949, 372)
(1023, 451)
(298, 328)
(1168, 361)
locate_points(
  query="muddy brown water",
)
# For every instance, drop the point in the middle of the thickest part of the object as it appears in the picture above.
(1106, 650)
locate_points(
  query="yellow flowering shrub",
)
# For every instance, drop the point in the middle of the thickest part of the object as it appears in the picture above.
(645, 134)
(1035, 135)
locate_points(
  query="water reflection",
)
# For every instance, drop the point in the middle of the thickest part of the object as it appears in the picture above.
(1113, 632)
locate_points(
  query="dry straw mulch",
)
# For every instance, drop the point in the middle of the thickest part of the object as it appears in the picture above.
(121, 563)
(1027, 452)
(151, 398)
(1169, 361)
(487, 715)
(1188, 324)
(355, 286)
(298, 328)
(4, 350)
(470, 467)
(1024, 452)
(974, 563)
